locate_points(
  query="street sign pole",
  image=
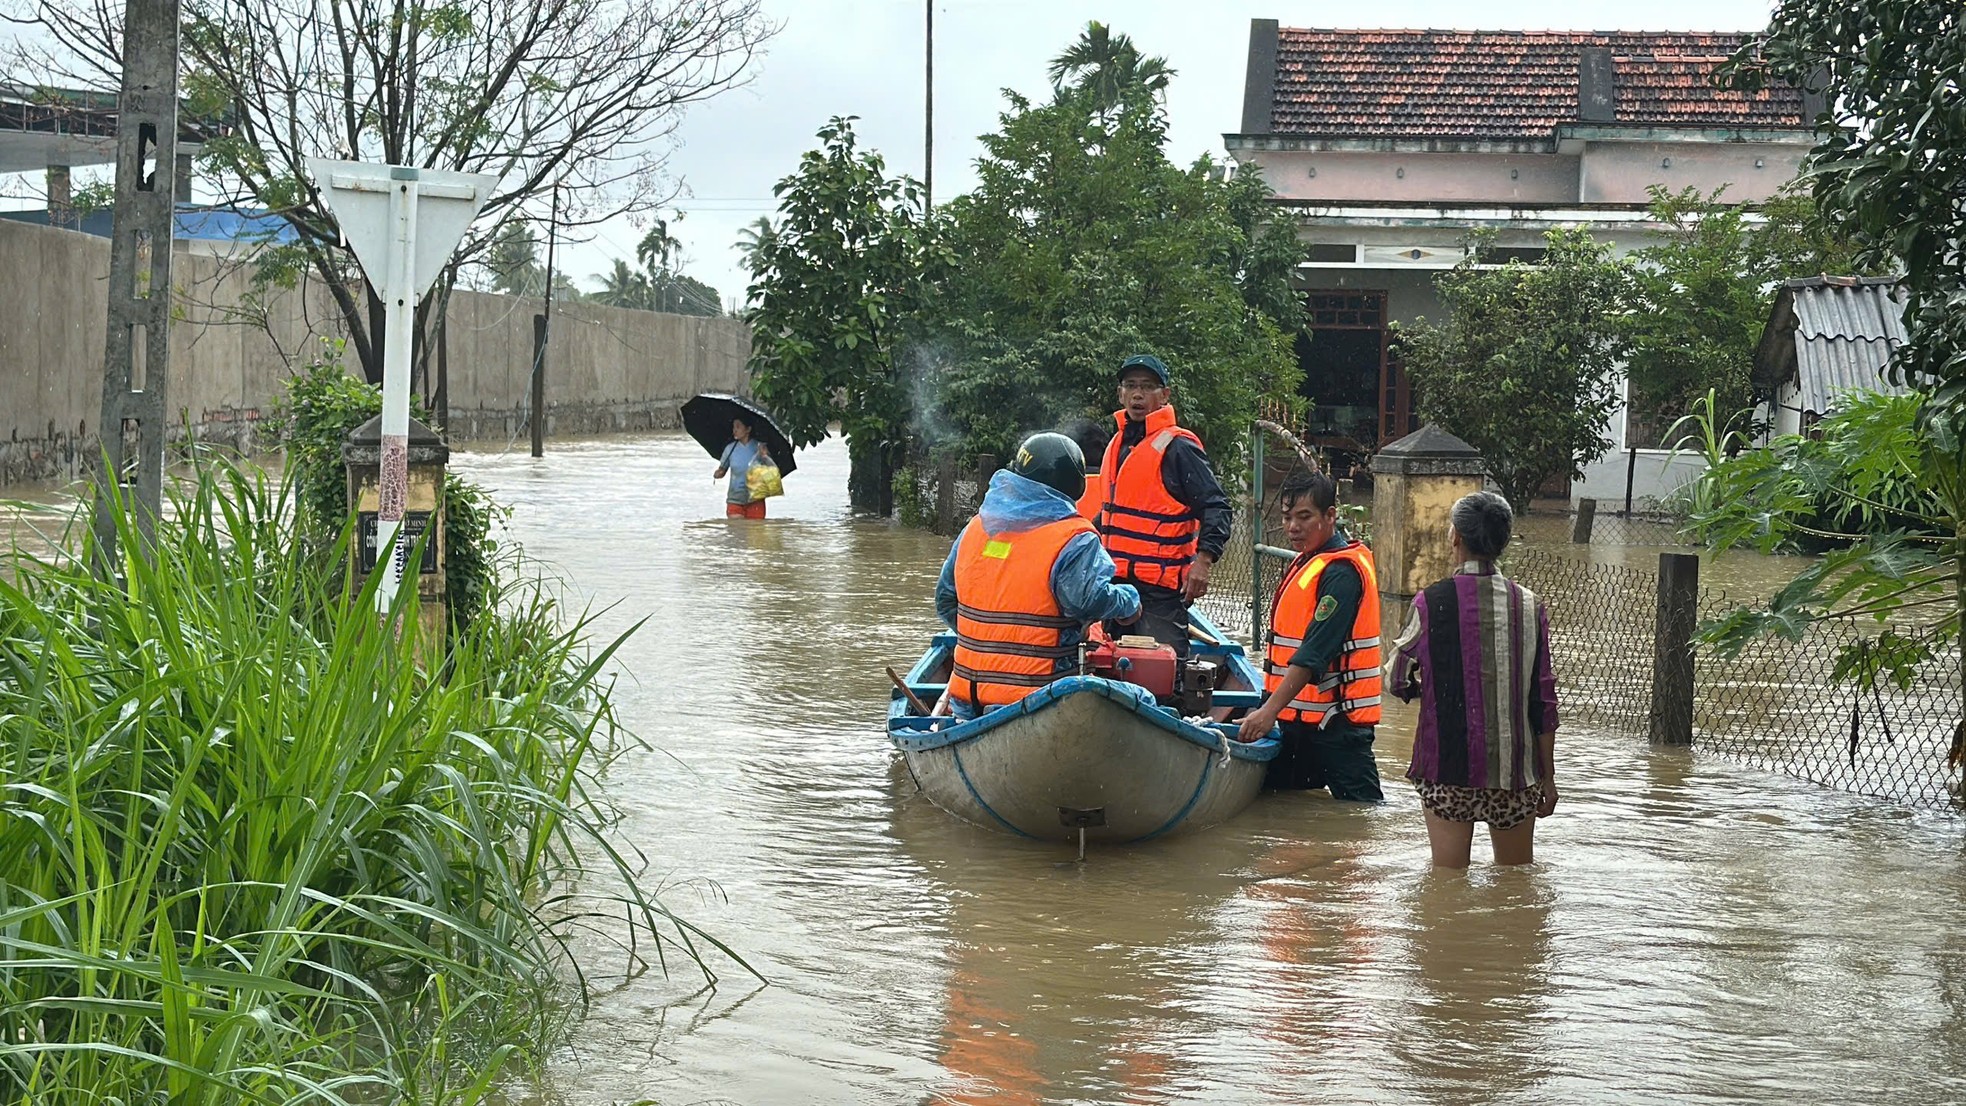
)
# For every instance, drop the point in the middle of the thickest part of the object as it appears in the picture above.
(399, 316)
(403, 224)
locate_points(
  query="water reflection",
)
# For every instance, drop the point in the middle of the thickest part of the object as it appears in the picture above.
(1479, 945)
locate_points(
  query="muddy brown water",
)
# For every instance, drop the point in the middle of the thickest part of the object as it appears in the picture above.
(1696, 932)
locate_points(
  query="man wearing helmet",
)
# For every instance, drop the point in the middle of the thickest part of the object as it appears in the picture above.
(1165, 520)
(1023, 580)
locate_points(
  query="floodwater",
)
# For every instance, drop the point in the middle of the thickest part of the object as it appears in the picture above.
(1696, 932)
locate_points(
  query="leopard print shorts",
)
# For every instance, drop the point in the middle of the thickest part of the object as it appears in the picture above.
(1500, 807)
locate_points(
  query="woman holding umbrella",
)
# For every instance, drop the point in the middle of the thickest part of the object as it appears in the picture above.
(736, 461)
(739, 434)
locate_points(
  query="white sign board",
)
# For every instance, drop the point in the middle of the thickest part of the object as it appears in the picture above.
(403, 224)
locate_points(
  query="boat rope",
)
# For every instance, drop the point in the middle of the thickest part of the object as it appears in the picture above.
(1223, 736)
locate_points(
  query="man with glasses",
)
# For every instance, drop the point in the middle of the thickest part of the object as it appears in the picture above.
(1165, 519)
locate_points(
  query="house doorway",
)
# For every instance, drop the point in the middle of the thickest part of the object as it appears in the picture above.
(1360, 398)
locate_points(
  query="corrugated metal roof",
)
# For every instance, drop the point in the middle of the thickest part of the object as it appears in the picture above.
(1844, 335)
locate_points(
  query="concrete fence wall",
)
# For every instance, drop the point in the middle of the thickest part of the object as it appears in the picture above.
(607, 369)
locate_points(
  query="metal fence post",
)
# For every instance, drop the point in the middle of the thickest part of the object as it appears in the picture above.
(1631, 478)
(1671, 721)
(945, 494)
(1255, 533)
(1580, 529)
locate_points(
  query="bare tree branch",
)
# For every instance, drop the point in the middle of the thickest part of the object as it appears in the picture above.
(583, 93)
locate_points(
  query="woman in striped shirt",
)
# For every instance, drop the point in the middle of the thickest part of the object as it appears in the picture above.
(1476, 650)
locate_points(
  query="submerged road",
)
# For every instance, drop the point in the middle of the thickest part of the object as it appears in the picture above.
(1696, 933)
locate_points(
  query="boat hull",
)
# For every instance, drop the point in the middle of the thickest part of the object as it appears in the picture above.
(1083, 753)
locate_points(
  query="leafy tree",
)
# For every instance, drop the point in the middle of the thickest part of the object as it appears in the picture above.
(514, 262)
(1526, 367)
(1702, 292)
(834, 291)
(656, 288)
(1891, 152)
(751, 240)
(1082, 244)
(1881, 485)
(575, 94)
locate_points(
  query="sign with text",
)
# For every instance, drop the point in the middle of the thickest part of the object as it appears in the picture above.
(414, 524)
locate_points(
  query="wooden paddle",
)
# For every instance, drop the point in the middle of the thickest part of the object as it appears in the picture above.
(914, 700)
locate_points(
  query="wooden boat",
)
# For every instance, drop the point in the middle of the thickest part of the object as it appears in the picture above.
(1085, 758)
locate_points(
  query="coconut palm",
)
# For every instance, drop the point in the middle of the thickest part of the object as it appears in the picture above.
(1103, 66)
(754, 240)
(624, 287)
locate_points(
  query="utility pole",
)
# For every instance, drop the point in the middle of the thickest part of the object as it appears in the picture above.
(928, 113)
(136, 369)
(541, 324)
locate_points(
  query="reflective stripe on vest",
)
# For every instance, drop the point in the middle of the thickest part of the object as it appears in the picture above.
(1151, 535)
(1010, 633)
(1352, 685)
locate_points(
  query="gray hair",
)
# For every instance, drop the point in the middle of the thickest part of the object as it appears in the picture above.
(1483, 520)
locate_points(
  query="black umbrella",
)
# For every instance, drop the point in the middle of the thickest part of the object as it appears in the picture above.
(708, 417)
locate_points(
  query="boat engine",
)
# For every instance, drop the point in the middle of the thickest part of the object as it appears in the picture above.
(1135, 659)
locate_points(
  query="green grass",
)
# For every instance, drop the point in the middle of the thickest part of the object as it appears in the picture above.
(251, 853)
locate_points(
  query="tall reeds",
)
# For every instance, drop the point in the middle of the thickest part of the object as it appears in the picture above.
(251, 852)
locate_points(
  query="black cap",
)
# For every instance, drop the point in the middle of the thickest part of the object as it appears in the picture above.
(1054, 461)
(1145, 361)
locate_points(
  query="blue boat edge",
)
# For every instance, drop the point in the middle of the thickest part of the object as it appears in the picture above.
(920, 733)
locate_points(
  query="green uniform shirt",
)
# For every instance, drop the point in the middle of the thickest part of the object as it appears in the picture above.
(1340, 590)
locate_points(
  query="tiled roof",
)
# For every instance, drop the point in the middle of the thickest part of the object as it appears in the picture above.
(1503, 84)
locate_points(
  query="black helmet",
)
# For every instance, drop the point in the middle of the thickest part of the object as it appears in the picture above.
(1054, 461)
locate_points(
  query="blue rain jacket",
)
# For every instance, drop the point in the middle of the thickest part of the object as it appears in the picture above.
(1081, 578)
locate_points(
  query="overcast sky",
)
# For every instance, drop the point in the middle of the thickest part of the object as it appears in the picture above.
(864, 58)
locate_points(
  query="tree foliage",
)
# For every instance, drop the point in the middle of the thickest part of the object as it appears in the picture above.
(1885, 495)
(580, 93)
(656, 286)
(1702, 292)
(836, 286)
(1890, 155)
(1103, 70)
(1525, 367)
(1885, 172)
(1082, 244)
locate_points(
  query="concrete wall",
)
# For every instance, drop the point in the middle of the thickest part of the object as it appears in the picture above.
(1657, 474)
(1443, 178)
(606, 368)
(1620, 172)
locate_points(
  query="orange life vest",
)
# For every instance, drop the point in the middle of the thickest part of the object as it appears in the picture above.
(1009, 629)
(1151, 535)
(1094, 498)
(1352, 685)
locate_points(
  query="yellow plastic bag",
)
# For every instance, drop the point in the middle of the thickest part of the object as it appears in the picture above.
(763, 481)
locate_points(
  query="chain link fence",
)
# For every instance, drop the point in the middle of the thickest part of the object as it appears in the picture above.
(1775, 705)
(1602, 624)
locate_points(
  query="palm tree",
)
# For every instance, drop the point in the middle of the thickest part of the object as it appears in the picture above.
(624, 287)
(1103, 66)
(753, 240)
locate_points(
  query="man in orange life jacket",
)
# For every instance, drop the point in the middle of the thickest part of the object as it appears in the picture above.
(1023, 580)
(1322, 669)
(1092, 442)
(1165, 520)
